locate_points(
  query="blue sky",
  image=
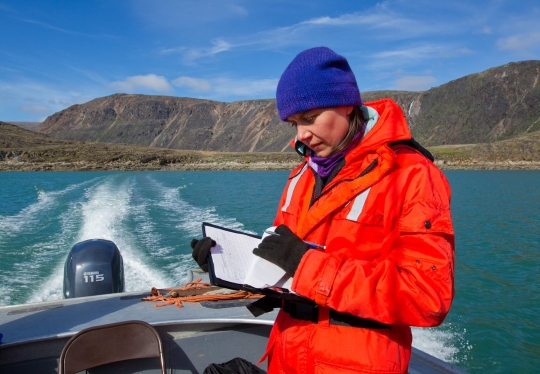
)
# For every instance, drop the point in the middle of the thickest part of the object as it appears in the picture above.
(56, 53)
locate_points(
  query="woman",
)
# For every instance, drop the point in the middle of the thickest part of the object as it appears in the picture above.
(382, 211)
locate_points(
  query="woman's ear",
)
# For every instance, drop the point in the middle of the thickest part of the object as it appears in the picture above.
(349, 110)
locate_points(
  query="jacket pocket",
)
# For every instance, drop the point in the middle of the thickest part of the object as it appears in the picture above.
(347, 350)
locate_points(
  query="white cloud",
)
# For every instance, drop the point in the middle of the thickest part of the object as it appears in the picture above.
(524, 43)
(261, 87)
(379, 18)
(193, 83)
(167, 51)
(344, 20)
(218, 46)
(319, 28)
(405, 56)
(413, 53)
(219, 88)
(66, 31)
(415, 83)
(51, 27)
(151, 82)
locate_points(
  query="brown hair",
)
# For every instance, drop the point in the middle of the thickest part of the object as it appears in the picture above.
(356, 123)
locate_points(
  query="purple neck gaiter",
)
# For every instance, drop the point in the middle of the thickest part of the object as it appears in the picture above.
(324, 165)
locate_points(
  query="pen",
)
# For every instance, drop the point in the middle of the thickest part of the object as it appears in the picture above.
(311, 245)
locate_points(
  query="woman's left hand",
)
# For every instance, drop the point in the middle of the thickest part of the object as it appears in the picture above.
(284, 249)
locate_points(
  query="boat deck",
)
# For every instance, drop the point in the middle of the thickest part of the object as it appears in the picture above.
(193, 336)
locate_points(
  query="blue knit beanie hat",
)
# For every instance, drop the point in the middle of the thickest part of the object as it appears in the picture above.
(316, 78)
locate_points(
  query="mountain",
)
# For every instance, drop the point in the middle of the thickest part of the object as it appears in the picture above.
(497, 104)
(173, 122)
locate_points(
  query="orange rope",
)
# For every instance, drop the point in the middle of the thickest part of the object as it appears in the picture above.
(172, 296)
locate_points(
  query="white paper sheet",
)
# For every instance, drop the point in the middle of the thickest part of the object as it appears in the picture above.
(232, 256)
(235, 262)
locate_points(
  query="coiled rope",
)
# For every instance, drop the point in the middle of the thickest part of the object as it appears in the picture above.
(195, 292)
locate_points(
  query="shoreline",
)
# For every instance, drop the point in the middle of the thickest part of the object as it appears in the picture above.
(228, 165)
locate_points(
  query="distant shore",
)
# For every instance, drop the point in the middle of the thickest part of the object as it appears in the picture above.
(12, 165)
(23, 150)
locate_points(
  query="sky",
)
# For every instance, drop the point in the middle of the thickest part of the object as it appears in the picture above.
(57, 53)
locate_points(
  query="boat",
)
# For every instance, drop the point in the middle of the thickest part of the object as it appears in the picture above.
(193, 336)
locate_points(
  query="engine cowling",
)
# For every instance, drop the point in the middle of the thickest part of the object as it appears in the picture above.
(93, 267)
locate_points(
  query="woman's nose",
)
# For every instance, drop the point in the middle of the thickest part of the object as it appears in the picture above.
(302, 133)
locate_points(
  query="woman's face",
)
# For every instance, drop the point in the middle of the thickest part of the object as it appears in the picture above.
(322, 130)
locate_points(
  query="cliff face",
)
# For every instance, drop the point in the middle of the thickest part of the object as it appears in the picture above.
(497, 104)
(172, 122)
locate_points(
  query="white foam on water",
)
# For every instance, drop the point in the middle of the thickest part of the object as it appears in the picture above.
(103, 214)
(100, 215)
(191, 217)
(27, 277)
(440, 342)
(147, 232)
(5, 295)
(179, 270)
(51, 289)
(10, 226)
(106, 205)
(56, 249)
(187, 220)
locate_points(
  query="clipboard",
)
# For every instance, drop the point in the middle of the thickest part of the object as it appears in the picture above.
(232, 264)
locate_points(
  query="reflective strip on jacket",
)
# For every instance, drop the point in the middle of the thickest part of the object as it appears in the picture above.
(385, 221)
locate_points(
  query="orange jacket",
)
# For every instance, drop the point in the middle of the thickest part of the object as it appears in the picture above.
(386, 224)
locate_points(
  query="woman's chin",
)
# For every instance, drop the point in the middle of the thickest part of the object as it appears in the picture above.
(323, 152)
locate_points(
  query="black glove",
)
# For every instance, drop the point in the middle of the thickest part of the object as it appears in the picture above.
(201, 249)
(285, 250)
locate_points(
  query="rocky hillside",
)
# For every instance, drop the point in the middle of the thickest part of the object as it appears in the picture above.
(498, 104)
(174, 123)
(14, 137)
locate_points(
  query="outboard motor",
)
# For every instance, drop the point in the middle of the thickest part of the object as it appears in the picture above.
(93, 267)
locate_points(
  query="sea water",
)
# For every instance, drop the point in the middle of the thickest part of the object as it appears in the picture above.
(152, 216)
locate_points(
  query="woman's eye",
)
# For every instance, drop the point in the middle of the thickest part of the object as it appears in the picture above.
(310, 119)
(293, 124)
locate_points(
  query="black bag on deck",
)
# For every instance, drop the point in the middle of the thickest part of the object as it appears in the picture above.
(235, 366)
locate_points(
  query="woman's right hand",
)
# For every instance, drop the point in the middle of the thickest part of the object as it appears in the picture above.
(201, 250)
